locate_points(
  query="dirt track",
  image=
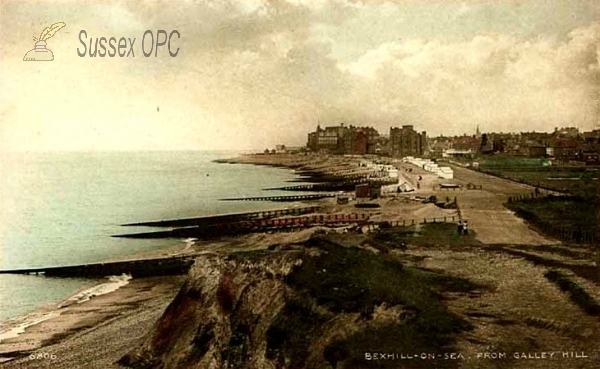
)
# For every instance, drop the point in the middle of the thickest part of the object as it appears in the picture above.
(486, 213)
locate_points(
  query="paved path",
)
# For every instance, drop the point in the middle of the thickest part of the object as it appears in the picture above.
(486, 213)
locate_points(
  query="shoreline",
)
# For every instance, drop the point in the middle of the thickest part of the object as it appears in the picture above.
(21, 333)
(59, 320)
(39, 327)
(146, 298)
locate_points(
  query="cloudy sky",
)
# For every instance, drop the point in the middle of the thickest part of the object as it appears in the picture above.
(250, 74)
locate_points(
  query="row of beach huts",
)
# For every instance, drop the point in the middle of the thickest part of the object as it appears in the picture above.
(430, 166)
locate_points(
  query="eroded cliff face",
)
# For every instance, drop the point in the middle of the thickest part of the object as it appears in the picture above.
(318, 305)
(221, 316)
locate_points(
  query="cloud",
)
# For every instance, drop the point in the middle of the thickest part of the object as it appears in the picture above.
(253, 74)
(271, 64)
(496, 81)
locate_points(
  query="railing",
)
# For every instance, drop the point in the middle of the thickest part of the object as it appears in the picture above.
(530, 197)
(306, 220)
(568, 233)
(577, 235)
(408, 222)
(370, 226)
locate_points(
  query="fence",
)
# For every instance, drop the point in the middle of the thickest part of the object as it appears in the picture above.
(409, 222)
(291, 224)
(508, 178)
(468, 186)
(518, 180)
(312, 219)
(568, 233)
(370, 226)
(577, 235)
(528, 197)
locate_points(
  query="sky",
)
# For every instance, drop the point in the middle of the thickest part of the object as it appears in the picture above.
(253, 74)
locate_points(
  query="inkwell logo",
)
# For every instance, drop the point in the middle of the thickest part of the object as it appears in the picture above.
(40, 53)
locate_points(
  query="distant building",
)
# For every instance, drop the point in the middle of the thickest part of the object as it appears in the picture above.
(464, 143)
(534, 149)
(326, 139)
(344, 139)
(566, 132)
(406, 141)
(591, 147)
(360, 140)
(591, 157)
(592, 137)
(379, 145)
(438, 146)
(568, 149)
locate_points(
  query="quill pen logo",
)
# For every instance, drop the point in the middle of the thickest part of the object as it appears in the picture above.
(40, 53)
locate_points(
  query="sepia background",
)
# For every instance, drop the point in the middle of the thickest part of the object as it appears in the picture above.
(251, 74)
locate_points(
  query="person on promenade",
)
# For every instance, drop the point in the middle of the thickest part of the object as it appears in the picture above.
(460, 227)
(465, 228)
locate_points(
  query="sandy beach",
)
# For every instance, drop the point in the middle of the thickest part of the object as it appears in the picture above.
(519, 306)
(75, 323)
(96, 333)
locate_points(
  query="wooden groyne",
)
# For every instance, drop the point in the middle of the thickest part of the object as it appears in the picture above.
(332, 186)
(305, 221)
(282, 198)
(183, 232)
(136, 268)
(267, 160)
(335, 186)
(225, 218)
(256, 225)
(323, 177)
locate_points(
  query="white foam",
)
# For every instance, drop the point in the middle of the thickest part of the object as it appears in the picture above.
(189, 243)
(17, 326)
(114, 283)
(27, 321)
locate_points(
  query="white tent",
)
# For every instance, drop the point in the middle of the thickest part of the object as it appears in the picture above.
(397, 188)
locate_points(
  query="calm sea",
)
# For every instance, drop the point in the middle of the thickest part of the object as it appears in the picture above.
(62, 208)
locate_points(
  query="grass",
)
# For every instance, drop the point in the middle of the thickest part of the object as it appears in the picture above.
(502, 161)
(567, 218)
(353, 280)
(580, 180)
(430, 234)
(568, 211)
(291, 332)
(589, 272)
(577, 294)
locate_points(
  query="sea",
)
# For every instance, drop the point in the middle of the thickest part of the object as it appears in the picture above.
(61, 208)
